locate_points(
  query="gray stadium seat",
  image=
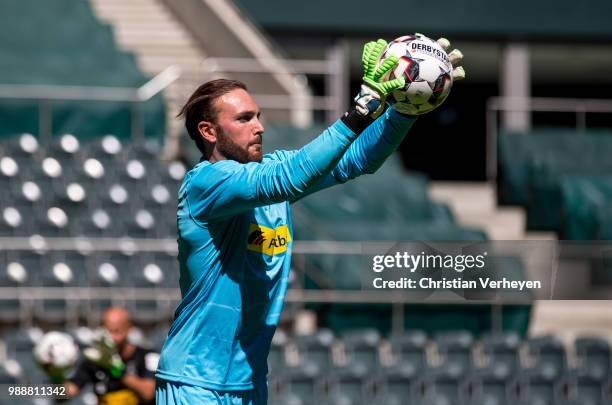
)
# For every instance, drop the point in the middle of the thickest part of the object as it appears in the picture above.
(300, 385)
(317, 347)
(548, 355)
(441, 387)
(537, 387)
(491, 387)
(585, 390)
(361, 348)
(14, 222)
(108, 150)
(350, 385)
(408, 349)
(277, 357)
(455, 348)
(397, 385)
(594, 356)
(59, 273)
(502, 351)
(12, 275)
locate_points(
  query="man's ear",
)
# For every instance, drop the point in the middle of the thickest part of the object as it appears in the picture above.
(208, 131)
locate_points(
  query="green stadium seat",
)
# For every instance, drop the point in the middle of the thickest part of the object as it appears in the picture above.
(603, 223)
(515, 150)
(582, 196)
(546, 174)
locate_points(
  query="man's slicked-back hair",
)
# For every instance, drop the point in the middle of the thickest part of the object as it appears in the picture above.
(200, 106)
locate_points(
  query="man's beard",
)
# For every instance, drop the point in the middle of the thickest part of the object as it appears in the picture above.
(233, 151)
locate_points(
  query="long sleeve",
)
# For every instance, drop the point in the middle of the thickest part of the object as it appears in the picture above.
(228, 187)
(369, 151)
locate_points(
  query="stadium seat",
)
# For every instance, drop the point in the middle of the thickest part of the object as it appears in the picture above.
(65, 148)
(54, 222)
(10, 372)
(455, 350)
(361, 348)
(582, 196)
(14, 223)
(12, 275)
(585, 389)
(548, 355)
(593, 355)
(277, 357)
(408, 349)
(537, 387)
(10, 174)
(502, 351)
(28, 196)
(351, 385)
(57, 274)
(106, 273)
(98, 223)
(546, 175)
(300, 385)
(32, 262)
(603, 223)
(107, 150)
(316, 348)
(488, 387)
(146, 275)
(442, 386)
(397, 385)
(142, 224)
(517, 149)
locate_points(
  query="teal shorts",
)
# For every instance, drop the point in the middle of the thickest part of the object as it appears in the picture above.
(171, 393)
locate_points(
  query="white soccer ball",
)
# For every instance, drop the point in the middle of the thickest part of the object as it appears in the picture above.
(57, 349)
(426, 69)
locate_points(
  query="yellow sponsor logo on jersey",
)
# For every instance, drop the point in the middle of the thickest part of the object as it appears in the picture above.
(268, 241)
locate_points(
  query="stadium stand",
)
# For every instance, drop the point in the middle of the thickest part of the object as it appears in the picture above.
(401, 382)
(77, 50)
(539, 170)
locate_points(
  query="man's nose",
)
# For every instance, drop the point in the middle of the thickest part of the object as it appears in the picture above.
(259, 125)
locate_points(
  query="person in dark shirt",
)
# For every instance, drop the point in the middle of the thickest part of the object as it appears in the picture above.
(121, 373)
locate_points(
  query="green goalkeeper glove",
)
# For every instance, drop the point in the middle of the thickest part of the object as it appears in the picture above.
(104, 353)
(370, 102)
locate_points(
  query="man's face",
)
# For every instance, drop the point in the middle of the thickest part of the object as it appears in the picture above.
(239, 130)
(118, 328)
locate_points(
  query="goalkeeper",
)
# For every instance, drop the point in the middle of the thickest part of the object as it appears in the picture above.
(120, 372)
(235, 230)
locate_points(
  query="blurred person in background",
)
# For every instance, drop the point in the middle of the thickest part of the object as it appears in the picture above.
(120, 372)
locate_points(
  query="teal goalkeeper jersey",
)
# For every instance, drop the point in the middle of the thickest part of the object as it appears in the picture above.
(235, 241)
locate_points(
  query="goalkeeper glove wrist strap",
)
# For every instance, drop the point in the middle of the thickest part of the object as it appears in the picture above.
(355, 121)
